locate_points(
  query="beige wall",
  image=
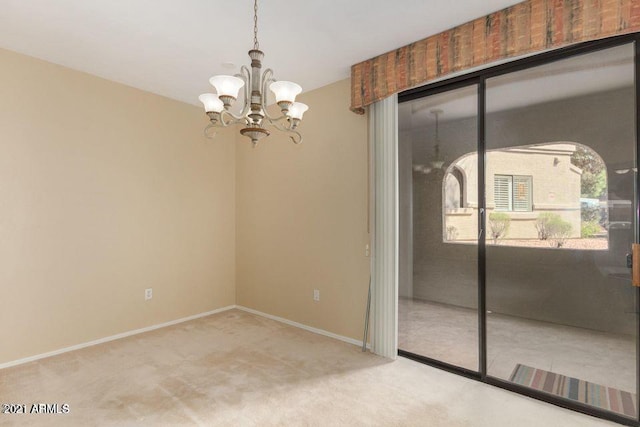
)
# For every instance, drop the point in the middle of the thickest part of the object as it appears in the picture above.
(106, 190)
(302, 218)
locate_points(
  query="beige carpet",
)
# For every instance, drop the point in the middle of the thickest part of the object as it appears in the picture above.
(237, 369)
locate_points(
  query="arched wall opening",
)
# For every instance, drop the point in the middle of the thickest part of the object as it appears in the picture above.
(549, 195)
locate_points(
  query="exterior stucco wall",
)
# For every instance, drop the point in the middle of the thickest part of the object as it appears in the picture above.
(555, 189)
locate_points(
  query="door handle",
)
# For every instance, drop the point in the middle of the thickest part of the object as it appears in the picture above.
(635, 264)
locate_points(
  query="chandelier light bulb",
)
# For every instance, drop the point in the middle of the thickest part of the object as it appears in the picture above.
(296, 110)
(285, 91)
(211, 103)
(227, 87)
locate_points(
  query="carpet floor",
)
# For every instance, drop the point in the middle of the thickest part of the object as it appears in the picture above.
(238, 369)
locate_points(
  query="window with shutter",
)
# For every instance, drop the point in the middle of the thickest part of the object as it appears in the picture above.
(522, 193)
(512, 193)
(503, 185)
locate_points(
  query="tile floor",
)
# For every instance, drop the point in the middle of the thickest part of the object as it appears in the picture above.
(450, 334)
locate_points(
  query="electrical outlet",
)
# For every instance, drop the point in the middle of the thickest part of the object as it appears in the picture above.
(367, 252)
(316, 294)
(148, 294)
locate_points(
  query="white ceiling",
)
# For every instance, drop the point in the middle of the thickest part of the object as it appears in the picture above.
(172, 47)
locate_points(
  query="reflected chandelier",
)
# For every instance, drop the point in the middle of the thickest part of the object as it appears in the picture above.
(254, 115)
(437, 162)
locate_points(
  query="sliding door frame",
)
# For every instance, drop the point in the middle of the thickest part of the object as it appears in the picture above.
(479, 78)
(461, 84)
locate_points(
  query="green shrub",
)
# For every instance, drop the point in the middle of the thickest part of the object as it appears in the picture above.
(559, 231)
(589, 229)
(498, 225)
(452, 233)
(552, 227)
(542, 224)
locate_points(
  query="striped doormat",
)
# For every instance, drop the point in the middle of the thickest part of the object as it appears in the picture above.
(610, 399)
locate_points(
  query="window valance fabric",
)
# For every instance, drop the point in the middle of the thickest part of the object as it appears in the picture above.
(528, 27)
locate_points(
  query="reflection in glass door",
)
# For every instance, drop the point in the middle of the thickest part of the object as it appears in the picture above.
(539, 298)
(438, 271)
(559, 187)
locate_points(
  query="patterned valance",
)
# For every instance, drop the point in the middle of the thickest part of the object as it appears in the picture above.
(528, 27)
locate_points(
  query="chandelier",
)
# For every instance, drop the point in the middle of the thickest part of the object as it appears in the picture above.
(254, 115)
(437, 162)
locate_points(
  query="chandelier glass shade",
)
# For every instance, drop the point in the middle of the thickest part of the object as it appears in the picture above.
(254, 115)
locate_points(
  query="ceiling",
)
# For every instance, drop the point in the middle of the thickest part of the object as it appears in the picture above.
(172, 47)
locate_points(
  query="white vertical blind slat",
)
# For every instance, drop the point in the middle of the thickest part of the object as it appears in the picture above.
(383, 122)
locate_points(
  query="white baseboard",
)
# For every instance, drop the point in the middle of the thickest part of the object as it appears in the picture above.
(175, 322)
(112, 338)
(302, 326)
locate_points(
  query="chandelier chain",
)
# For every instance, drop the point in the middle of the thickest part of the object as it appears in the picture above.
(256, 45)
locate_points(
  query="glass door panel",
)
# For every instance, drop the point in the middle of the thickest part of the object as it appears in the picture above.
(438, 271)
(560, 184)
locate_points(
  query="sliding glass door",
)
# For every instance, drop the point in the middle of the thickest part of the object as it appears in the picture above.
(560, 184)
(438, 291)
(518, 210)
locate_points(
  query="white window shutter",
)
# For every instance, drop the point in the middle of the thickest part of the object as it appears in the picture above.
(502, 190)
